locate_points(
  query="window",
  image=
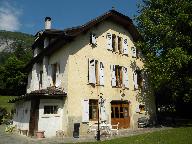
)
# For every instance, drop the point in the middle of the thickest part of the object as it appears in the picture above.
(142, 108)
(93, 109)
(134, 53)
(41, 79)
(114, 42)
(119, 111)
(50, 109)
(137, 79)
(93, 39)
(119, 76)
(96, 72)
(120, 44)
(55, 72)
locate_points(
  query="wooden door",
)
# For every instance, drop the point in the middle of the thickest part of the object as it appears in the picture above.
(120, 113)
(34, 116)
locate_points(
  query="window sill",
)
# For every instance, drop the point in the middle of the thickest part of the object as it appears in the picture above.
(94, 84)
(50, 115)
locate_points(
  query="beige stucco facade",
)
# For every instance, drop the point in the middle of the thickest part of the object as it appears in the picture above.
(73, 59)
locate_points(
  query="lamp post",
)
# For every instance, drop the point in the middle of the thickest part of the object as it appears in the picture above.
(100, 102)
(98, 127)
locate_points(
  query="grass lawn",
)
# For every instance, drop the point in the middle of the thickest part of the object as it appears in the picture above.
(4, 102)
(181, 135)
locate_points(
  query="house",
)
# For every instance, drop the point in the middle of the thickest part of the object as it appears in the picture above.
(73, 68)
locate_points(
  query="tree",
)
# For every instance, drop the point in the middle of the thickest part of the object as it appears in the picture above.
(166, 28)
(12, 77)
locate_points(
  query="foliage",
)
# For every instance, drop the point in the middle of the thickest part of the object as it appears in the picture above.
(166, 28)
(10, 128)
(12, 76)
(4, 103)
(13, 58)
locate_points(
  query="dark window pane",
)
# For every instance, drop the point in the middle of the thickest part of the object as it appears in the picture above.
(121, 115)
(112, 112)
(116, 112)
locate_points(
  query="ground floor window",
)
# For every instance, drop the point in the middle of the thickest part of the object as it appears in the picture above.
(119, 111)
(50, 109)
(93, 109)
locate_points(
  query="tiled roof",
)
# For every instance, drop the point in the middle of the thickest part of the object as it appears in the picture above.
(64, 36)
(50, 92)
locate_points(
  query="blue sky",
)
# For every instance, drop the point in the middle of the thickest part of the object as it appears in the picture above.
(28, 15)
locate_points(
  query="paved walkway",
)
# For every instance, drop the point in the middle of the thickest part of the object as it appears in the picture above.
(6, 138)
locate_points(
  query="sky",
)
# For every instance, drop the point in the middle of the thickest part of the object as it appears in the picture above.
(27, 16)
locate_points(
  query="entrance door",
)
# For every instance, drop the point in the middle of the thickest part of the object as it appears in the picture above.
(120, 113)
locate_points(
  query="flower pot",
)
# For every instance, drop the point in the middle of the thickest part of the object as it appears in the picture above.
(40, 134)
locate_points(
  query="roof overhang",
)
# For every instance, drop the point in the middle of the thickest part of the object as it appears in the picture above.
(49, 93)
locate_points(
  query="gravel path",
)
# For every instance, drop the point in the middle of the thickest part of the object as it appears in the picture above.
(6, 138)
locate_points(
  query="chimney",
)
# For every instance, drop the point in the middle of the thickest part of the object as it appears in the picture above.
(47, 23)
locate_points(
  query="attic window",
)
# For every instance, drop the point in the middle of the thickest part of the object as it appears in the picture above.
(93, 39)
(114, 42)
(120, 44)
(134, 52)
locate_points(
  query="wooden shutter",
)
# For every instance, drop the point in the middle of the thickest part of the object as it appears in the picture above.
(109, 41)
(101, 73)
(125, 46)
(103, 114)
(135, 80)
(113, 76)
(134, 53)
(85, 112)
(92, 78)
(125, 77)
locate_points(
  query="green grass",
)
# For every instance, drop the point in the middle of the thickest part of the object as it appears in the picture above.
(170, 136)
(4, 102)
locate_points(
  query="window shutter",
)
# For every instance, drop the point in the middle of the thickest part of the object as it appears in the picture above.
(101, 73)
(133, 49)
(85, 114)
(135, 80)
(109, 41)
(103, 114)
(92, 78)
(49, 75)
(125, 46)
(113, 76)
(125, 77)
